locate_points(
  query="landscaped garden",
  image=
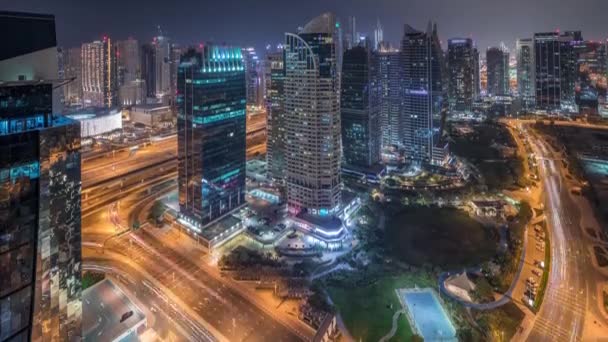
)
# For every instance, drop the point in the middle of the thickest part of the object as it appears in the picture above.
(442, 237)
(482, 148)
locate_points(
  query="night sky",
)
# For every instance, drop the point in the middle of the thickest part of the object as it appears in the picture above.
(259, 22)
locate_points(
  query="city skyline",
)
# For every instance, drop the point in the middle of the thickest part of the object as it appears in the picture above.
(329, 187)
(81, 22)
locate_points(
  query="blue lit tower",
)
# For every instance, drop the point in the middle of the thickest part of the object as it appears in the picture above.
(40, 244)
(211, 103)
(423, 97)
(312, 118)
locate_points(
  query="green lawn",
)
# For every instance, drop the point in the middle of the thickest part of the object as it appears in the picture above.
(444, 237)
(498, 172)
(91, 278)
(367, 311)
(500, 324)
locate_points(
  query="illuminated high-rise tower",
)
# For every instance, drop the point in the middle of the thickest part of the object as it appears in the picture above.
(99, 73)
(525, 73)
(312, 118)
(211, 132)
(275, 106)
(424, 104)
(497, 59)
(461, 74)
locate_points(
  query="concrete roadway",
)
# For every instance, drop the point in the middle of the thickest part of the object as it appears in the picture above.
(569, 293)
(163, 314)
(232, 315)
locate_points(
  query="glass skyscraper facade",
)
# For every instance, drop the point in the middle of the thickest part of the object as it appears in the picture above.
(423, 95)
(360, 109)
(211, 103)
(525, 73)
(312, 116)
(497, 61)
(40, 241)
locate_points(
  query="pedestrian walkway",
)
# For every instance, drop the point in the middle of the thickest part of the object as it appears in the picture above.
(393, 331)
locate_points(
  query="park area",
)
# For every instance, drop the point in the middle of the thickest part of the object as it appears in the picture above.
(491, 149)
(441, 237)
(368, 309)
(416, 244)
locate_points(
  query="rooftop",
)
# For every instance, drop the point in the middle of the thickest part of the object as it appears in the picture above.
(104, 306)
(219, 228)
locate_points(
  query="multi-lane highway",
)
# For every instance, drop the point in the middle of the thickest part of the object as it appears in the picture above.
(205, 303)
(570, 293)
(222, 308)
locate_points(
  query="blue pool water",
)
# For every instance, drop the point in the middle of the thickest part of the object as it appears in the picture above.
(429, 317)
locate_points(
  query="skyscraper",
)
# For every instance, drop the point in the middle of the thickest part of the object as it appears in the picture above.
(378, 35)
(72, 64)
(360, 109)
(275, 105)
(592, 77)
(476, 75)
(252, 77)
(312, 119)
(497, 60)
(162, 65)
(211, 132)
(128, 61)
(547, 71)
(40, 248)
(148, 68)
(387, 70)
(423, 107)
(99, 73)
(571, 45)
(351, 37)
(461, 74)
(525, 73)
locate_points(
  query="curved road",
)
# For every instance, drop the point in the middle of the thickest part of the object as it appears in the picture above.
(567, 297)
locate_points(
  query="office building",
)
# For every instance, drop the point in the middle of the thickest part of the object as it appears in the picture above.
(312, 117)
(162, 66)
(211, 104)
(476, 75)
(547, 71)
(525, 73)
(275, 107)
(351, 38)
(99, 73)
(556, 68)
(592, 77)
(360, 109)
(148, 68)
(255, 96)
(424, 100)
(571, 45)
(378, 35)
(128, 61)
(72, 65)
(40, 248)
(497, 62)
(387, 70)
(461, 74)
(176, 53)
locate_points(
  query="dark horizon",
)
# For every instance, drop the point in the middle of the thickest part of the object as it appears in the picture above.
(260, 23)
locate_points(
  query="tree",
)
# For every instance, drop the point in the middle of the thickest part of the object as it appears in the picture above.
(417, 338)
(156, 213)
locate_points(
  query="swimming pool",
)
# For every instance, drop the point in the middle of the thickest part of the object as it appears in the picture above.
(427, 314)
